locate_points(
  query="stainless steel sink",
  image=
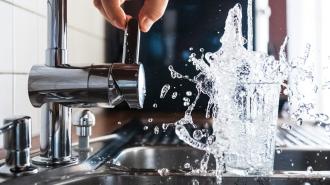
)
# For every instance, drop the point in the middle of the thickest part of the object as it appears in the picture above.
(158, 157)
(175, 158)
(134, 156)
(104, 179)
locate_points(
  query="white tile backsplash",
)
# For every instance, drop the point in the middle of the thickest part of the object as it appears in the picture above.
(93, 21)
(6, 36)
(23, 41)
(31, 5)
(42, 40)
(6, 103)
(84, 49)
(22, 105)
(6, 94)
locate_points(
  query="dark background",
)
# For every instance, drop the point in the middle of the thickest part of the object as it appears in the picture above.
(190, 23)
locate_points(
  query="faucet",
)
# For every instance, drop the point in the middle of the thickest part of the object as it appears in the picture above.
(56, 87)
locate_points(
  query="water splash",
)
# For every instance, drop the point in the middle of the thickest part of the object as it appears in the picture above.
(164, 90)
(234, 77)
(174, 95)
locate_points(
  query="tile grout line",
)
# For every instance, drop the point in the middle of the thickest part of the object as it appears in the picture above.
(43, 16)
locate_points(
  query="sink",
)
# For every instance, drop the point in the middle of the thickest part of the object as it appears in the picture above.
(105, 178)
(297, 149)
(134, 155)
(158, 157)
(175, 158)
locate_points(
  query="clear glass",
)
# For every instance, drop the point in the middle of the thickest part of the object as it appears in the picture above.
(251, 132)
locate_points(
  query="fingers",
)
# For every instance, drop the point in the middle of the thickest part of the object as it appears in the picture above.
(112, 11)
(151, 11)
(98, 5)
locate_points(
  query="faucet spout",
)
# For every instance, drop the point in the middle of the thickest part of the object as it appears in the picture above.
(57, 86)
(91, 86)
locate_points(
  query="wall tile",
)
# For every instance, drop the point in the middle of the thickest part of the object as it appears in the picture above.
(84, 10)
(42, 7)
(6, 99)
(31, 5)
(42, 39)
(25, 40)
(6, 37)
(84, 49)
(22, 105)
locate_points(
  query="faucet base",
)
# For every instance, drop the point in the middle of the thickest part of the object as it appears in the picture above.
(43, 161)
(8, 171)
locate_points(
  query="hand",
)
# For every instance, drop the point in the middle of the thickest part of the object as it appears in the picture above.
(151, 11)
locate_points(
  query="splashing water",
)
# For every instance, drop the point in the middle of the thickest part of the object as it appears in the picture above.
(164, 90)
(174, 95)
(243, 87)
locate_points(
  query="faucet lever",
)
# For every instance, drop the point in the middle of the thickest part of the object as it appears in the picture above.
(131, 46)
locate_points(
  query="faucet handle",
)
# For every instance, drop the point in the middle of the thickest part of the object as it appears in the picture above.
(131, 46)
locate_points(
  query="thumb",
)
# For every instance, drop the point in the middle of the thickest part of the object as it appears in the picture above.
(151, 11)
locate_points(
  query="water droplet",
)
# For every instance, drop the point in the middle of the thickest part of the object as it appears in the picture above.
(188, 93)
(155, 105)
(119, 122)
(164, 90)
(145, 127)
(186, 104)
(150, 120)
(198, 135)
(286, 126)
(186, 99)
(309, 169)
(299, 121)
(326, 157)
(163, 172)
(165, 126)
(285, 92)
(174, 95)
(210, 139)
(201, 50)
(195, 182)
(187, 165)
(278, 151)
(327, 128)
(191, 48)
(156, 130)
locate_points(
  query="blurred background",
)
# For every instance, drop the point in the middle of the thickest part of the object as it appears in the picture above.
(186, 24)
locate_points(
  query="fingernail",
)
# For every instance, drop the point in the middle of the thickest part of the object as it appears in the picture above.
(120, 25)
(146, 24)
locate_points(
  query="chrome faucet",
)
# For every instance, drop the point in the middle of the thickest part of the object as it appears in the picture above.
(57, 86)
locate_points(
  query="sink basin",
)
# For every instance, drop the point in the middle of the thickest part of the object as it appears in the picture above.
(175, 158)
(134, 156)
(158, 157)
(179, 179)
